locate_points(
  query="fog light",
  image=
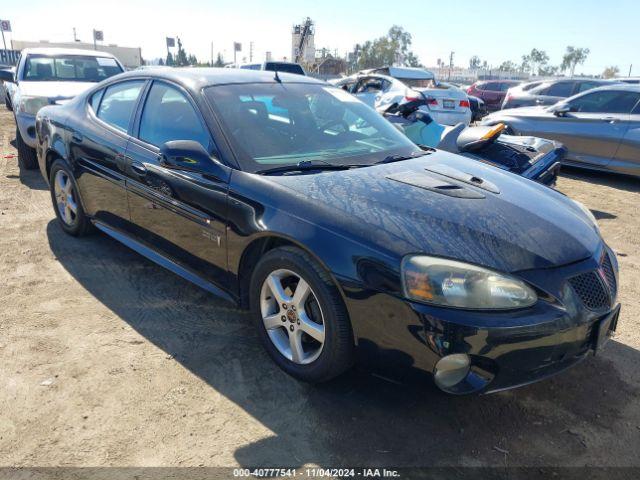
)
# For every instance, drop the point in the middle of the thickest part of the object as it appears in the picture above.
(451, 370)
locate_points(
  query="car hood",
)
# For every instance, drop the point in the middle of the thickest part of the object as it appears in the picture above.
(515, 225)
(54, 90)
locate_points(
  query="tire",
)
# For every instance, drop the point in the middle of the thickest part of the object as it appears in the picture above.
(324, 303)
(77, 223)
(27, 157)
(7, 103)
(508, 130)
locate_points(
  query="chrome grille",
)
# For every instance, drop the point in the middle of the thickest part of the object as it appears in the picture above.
(591, 290)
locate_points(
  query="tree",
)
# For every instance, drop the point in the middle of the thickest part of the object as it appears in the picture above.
(548, 70)
(161, 62)
(475, 62)
(391, 49)
(525, 66)
(219, 61)
(539, 58)
(181, 56)
(610, 72)
(573, 57)
(508, 66)
(169, 62)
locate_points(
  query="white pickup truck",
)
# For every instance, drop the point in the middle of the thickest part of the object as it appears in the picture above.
(44, 76)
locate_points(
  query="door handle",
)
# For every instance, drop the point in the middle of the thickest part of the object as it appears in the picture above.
(138, 168)
(611, 120)
(77, 137)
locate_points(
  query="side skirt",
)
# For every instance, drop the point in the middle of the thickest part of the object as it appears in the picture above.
(165, 262)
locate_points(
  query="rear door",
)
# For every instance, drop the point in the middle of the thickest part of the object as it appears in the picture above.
(181, 213)
(596, 125)
(627, 157)
(97, 146)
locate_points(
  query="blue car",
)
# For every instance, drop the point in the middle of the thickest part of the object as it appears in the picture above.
(347, 242)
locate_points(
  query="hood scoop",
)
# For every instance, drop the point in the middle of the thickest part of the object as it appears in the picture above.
(435, 184)
(467, 178)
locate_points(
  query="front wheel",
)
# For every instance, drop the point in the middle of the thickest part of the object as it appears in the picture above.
(300, 316)
(66, 201)
(27, 157)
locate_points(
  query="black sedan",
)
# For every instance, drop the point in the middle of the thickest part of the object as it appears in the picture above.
(292, 198)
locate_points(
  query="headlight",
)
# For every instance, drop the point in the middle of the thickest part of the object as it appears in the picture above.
(31, 105)
(588, 213)
(449, 283)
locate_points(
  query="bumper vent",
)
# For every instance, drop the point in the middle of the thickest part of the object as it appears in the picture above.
(591, 290)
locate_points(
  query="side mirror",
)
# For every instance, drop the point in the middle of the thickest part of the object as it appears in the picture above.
(190, 156)
(561, 109)
(7, 76)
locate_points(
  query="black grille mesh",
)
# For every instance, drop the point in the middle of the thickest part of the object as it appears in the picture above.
(609, 274)
(590, 290)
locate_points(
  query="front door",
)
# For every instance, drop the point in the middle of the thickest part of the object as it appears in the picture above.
(181, 213)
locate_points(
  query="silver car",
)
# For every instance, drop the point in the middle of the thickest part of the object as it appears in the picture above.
(600, 127)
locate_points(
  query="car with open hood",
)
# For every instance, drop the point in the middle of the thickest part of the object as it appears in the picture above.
(347, 242)
(382, 87)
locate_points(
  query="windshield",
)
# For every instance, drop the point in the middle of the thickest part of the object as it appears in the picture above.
(272, 125)
(71, 68)
(419, 82)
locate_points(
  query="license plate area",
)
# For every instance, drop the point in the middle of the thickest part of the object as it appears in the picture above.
(448, 104)
(603, 329)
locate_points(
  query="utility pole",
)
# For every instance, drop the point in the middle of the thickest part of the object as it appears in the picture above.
(95, 47)
(75, 37)
(250, 52)
(450, 63)
(212, 54)
(630, 67)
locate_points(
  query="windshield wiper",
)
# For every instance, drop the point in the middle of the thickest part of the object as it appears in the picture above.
(400, 158)
(307, 165)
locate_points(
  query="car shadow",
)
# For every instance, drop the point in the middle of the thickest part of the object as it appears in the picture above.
(29, 178)
(359, 418)
(614, 180)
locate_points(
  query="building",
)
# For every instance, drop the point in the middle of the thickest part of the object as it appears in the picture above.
(130, 57)
(303, 47)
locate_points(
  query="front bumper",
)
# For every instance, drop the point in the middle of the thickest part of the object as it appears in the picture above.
(27, 126)
(403, 339)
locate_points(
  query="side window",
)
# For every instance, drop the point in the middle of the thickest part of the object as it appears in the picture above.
(584, 86)
(605, 101)
(491, 86)
(119, 102)
(560, 89)
(94, 101)
(168, 115)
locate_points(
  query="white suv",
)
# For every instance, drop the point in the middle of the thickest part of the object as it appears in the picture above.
(45, 76)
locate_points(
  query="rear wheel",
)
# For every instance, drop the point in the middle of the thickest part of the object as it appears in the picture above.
(27, 157)
(66, 201)
(300, 316)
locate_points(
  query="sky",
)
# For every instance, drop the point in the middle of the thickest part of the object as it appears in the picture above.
(493, 30)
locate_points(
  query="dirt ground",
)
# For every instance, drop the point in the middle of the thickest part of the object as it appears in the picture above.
(108, 360)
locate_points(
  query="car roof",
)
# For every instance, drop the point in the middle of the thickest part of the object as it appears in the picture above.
(627, 87)
(198, 78)
(66, 51)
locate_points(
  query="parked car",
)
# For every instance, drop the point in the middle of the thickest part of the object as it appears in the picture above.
(530, 157)
(631, 80)
(286, 67)
(48, 75)
(447, 105)
(599, 127)
(549, 92)
(492, 92)
(339, 234)
(477, 105)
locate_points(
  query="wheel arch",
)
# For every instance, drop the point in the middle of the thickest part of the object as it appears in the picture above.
(260, 245)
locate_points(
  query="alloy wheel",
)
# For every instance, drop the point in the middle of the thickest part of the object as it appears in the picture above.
(65, 198)
(292, 316)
